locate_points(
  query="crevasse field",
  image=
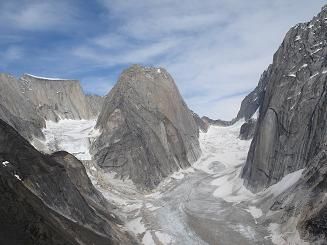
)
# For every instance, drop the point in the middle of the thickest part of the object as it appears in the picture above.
(204, 204)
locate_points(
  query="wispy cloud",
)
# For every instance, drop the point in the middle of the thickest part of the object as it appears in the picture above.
(37, 15)
(215, 49)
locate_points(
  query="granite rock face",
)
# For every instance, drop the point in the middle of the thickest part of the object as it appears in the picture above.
(202, 124)
(252, 102)
(46, 202)
(250, 107)
(56, 99)
(307, 201)
(17, 111)
(292, 120)
(291, 133)
(247, 129)
(78, 176)
(147, 130)
(95, 102)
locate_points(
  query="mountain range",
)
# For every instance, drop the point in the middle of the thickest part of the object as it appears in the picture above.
(143, 133)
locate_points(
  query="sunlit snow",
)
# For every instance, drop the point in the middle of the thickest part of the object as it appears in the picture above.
(73, 136)
(204, 204)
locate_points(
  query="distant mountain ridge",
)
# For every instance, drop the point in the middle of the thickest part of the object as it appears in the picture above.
(56, 99)
(27, 102)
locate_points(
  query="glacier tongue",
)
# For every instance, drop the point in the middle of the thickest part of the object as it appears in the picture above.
(73, 136)
(204, 204)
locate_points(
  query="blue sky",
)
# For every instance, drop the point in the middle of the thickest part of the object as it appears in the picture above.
(214, 49)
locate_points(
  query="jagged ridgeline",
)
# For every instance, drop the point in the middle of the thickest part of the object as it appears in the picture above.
(148, 132)
(27, 102)
(291, 131)
(58, 98)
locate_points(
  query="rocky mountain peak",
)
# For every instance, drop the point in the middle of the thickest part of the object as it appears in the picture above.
(148, 132)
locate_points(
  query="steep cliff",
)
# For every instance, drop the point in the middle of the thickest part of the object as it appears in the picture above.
(252, 102)
(95, 102)
(291, 134)
(56, 98)
(292, 120)
(247, 129)
(17, 111)
(147, 130)
(43, 201)
(202, 124)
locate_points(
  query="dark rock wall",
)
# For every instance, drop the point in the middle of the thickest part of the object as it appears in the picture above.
(247, 129)
(292, 121)
(41, 202)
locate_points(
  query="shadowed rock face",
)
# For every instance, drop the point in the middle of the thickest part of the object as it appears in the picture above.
(247, 129)
(252, 102)
(202, 124)
(56, 99)
(291, 130)
(307, 201)
(17, 111)
(78, 176)
(292, 121)
(42, 201)
(148, 132)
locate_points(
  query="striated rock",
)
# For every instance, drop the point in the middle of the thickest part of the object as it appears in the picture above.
(292, 129)
(78, 176)
(247, 129)
(17, 111)
(203, 125)
(292, 121)
(252, 102)
(147, 130)
(42, 201)
(95, 102)
(56, 98)
(305, 202)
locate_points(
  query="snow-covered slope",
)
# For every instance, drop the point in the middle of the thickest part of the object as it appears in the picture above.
(204, 204)
(73, 136)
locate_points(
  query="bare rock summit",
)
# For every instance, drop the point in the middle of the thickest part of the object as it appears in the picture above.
(147, 130)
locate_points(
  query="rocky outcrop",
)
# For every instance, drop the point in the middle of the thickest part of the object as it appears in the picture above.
(17, 111)
(292, 120)
(55, 98)
(95, 102)
(78, 176)
(247, 129)
(203, 125)
(307, 201)
(43, 201)
(147, 130)
(292, 129)
(250, 107)
(252, 102)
